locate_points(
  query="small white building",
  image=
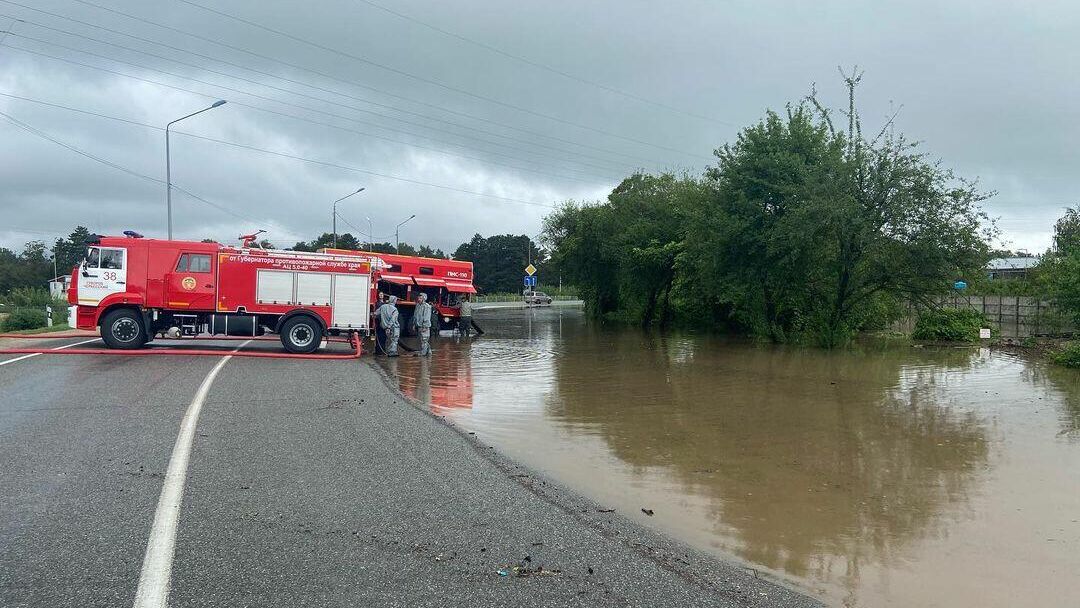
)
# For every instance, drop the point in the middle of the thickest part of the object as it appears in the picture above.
(58, 286)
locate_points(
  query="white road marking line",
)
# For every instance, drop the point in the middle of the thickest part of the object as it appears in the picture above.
(5, 362)
(153, 590)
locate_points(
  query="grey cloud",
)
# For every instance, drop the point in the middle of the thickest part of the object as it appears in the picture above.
(986, 85)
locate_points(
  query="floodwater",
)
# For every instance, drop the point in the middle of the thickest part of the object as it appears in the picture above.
(878, 476)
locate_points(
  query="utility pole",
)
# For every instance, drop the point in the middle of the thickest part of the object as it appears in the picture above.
(168, 168)
(397, 234)
(334, 213)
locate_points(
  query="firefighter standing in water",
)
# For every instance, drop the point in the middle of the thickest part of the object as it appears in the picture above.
(388, 321)
(422, 321)
(465, 315)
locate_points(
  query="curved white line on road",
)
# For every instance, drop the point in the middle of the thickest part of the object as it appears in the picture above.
(5, 362)
(153, 590)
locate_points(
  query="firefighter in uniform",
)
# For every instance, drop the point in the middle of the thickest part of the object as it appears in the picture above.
(465, 315)
(388, 321)
(422, 321)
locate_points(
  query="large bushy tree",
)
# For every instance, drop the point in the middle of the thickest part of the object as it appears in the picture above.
(801, 230)
(622, 255)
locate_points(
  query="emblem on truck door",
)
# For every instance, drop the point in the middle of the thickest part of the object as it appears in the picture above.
(188, 283)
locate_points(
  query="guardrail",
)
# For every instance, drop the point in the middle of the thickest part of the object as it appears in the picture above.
(504, 297)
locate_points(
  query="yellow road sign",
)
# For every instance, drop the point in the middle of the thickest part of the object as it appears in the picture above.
(530, 270)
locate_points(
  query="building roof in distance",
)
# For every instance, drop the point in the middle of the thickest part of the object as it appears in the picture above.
(1016, 263)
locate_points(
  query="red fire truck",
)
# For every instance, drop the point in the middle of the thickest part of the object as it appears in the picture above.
(135, 288)
(444, 281)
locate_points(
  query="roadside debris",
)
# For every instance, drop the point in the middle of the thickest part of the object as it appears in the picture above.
(524, 569)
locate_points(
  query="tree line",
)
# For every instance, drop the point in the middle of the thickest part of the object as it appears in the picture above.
(803, 230)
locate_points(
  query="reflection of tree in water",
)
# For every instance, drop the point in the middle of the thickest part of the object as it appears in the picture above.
(1067, 383)
(809, 456)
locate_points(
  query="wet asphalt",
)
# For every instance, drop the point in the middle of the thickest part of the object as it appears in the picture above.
(311, 483)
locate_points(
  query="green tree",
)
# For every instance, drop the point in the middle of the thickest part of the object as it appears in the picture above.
(30, 268)
(326, 239)
(382, 248)
(70, 251)
(623, 254)
(499, 261)
(1059, 270)
(800, 231)
(427, 251)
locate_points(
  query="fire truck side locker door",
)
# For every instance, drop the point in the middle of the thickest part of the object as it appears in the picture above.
(351, 294)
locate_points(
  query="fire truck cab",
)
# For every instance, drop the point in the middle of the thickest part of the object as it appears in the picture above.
(135, 288)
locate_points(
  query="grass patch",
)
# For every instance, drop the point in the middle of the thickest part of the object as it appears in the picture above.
(41, 330)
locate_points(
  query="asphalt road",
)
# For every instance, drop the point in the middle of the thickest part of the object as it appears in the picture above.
(309, 483)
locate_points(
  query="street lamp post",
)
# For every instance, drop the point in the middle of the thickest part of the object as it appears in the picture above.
(357, 191)
(370, 233)
(168, 168)
(397, 234)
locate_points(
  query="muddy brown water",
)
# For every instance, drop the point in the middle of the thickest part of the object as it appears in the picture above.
(883, 475)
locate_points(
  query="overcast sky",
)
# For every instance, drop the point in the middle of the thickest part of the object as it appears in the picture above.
(478, 116)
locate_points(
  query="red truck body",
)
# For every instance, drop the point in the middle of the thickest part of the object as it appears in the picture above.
(193, 287)
(405, 276)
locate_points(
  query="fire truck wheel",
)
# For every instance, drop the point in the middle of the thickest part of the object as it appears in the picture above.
(123, 328)
(301, 334)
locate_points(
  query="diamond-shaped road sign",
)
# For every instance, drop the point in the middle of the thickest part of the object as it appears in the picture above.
(530, 270)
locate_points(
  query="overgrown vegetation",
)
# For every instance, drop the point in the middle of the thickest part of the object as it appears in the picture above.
(26, 306)
(948, 325)
(801, 232)
(1068, 356)
(23, 318)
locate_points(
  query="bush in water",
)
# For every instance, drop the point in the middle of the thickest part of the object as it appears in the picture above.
(948, 325)
(1068, 356)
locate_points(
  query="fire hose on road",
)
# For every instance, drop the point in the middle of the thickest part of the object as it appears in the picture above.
(353, 341)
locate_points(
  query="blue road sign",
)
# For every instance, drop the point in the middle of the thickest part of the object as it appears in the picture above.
(530, 281)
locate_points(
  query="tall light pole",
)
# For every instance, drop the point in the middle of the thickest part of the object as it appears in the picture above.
(357, 191)
(370, 233)
(397, 234)
(168, 168)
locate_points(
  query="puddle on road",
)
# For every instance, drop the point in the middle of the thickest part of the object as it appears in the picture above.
(879, 476)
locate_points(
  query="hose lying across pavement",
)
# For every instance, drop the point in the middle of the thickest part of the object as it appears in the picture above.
(354, 341)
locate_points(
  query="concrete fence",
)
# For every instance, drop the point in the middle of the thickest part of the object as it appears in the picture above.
(1013, 316)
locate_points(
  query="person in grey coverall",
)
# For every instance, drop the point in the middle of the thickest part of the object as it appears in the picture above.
(422, 321)
(388, 321)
